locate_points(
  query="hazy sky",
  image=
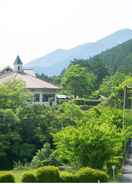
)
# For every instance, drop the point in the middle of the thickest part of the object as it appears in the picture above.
(32, 28)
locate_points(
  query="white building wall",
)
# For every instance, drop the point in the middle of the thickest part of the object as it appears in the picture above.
(41, 93)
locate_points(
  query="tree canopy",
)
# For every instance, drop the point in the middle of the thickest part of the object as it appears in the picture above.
(77, 81)
(13, 94)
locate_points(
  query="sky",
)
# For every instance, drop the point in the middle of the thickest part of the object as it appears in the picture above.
(33, 28)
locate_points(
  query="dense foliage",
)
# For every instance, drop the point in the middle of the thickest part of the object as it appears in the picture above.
(9, 137)
(62, 135)
(68, 135)
(77, 81)
(91, 175)
(29, 178)
(111, 83)
(92, 142)
(13, 94)
(48, 174)
(116, 59)
(7, 178)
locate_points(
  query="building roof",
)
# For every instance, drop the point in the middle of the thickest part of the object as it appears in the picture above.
(30, 81)
(18, 61)
(6, 69)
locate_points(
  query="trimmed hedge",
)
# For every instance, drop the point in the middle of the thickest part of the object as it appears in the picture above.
(101, 176)
(48, 174)
(67, 177)
(51, 174)
(28, 178)
(87, 174)
(7, 178)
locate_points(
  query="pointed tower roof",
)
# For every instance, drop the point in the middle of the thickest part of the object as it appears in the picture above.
(18, 61)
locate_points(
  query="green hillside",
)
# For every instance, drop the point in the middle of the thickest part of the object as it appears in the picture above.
(116, 59)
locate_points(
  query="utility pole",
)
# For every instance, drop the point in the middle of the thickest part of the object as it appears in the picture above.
(124, 106)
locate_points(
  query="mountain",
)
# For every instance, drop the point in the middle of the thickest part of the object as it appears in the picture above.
(54, 62)
(118, 58)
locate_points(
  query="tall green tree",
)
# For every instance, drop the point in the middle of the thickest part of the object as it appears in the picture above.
(111, 83)
(91, 144)
(77, 81)
(68, 114)
(13, 94)
(94, 65)
(37, 122)
(9, 138)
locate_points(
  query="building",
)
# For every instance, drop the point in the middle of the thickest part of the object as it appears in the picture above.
(42, 91)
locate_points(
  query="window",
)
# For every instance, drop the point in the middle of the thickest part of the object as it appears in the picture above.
(37, 98)
(45, 98)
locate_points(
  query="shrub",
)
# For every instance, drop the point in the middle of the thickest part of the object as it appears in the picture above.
(84, 107)
(28, 178)
(67, 177)
(119, 159)
(7, 178)
(42, 156)
(101, 176)
(48, 174)
(116, 162)
(91, 175)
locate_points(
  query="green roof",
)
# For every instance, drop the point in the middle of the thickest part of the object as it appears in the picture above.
(18, 61)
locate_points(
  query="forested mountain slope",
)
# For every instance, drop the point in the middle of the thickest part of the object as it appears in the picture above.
(54, 62)
(118, 58)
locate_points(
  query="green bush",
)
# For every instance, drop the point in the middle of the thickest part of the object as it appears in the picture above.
(68, 177)
(120, 159)
(48, 174)
(101, 176)
(7, 178)
(28, 178)
(91, 175)
(84, 107)
(117, 161)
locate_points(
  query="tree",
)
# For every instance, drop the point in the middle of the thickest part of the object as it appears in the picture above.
(111, 83)
(13, 94)
(68, 114)
(99, 69)
(77, 81)
(37, 123)
(53, 79)
(92, 143)
(42, 156)
(94, 65)
(9, 138)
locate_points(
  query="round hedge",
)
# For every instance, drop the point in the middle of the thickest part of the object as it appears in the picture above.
(7, 178)
(87, 174)
(67, 177)
(48, 174)
(28, 178)
(101, 176)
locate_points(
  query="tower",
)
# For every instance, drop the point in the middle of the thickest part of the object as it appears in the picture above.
(18, 65)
